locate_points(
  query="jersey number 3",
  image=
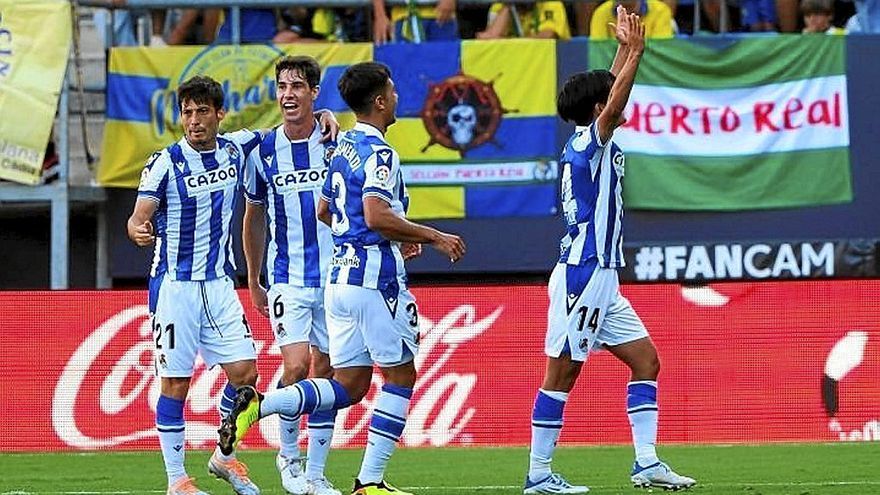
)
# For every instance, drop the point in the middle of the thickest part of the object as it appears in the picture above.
(340, 224)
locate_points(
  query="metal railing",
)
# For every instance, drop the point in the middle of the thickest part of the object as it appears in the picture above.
(235, 7)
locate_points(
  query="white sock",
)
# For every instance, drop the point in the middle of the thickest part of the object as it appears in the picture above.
(289, 436)
(386, 426)
(641, 407)
(172, 436)
(305, 397)
(320, 437)
(546, 426)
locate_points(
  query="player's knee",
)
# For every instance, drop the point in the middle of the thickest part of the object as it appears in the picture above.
(294, 373)
(246, 377)
(402, 376)
(647, 368)
(357, 390)
(175, 388)
(321, 368)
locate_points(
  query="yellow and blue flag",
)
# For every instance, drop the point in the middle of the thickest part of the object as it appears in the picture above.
(476, 127)
(143, 114)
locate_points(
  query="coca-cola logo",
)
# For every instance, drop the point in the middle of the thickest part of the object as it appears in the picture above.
(107, 392)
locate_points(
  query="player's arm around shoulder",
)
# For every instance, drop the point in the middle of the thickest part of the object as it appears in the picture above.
(246, 138)
(151, 192)
(611, 115)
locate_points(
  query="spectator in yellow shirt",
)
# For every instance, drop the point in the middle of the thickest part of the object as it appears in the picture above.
(655, 14)
(437, 23)
(541, 20)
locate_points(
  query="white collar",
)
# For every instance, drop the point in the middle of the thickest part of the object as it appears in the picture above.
(369, 130)
(187, 148)
(315, 132)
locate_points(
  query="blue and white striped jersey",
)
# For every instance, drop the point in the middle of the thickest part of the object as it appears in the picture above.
(286, 176)
(196, 192)
(364, 165)
(592, 200)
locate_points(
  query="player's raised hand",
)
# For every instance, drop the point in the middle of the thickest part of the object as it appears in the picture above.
(449, 244)
(635, 38)
(621, 26)
(143, 234)
(260, 299)
(410, 250)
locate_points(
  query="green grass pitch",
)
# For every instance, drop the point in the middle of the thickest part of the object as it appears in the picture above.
(796, 469)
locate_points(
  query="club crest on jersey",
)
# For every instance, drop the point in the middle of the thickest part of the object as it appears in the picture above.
(462, 113)
(280, 331)
(328, 153)
(211, 180)
(232, 151)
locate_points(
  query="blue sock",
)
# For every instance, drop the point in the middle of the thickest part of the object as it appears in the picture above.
(227, 401)
(386, 426)
(172, 436)
(320, 437)
(289, 426)
(546, 426)
(641, 407)
(305, 397)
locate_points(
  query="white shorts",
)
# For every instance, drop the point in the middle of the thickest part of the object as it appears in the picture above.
(297, 315)
(198, 317)
(587, 312)
(367, 328)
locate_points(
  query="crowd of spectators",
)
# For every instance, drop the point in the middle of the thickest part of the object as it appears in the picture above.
(448, 20)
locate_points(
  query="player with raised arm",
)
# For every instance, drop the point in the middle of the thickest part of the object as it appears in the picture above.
(586, 309)
(283, 180)
(189, 190)
(372, 317)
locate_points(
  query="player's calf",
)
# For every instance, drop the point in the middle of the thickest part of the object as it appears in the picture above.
(244, 414)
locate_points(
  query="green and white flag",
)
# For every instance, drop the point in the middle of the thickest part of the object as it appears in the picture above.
(756, 123)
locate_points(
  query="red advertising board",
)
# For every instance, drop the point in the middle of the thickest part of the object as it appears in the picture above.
(741, 362)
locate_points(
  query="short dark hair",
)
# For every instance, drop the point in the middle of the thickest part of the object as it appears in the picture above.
(361, 83)
(201, 90)
(580, 94)
(306, 66)
(817, 7)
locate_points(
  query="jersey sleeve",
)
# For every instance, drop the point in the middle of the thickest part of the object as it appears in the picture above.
(380, 173)
(327, 188)
(585, 145)
(255, 187)
(247, 139)
(154, 178)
